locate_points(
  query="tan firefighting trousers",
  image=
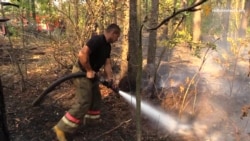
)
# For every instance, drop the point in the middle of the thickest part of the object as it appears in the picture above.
(87, 103)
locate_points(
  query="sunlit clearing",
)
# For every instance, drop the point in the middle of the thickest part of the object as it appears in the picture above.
(165, 120)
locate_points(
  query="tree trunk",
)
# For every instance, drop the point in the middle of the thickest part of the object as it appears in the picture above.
(183, 4)
(33, 10)
(152, 45)
(139, 70)
(76, 18)
(197, 25)
(244, 19)
(128, 83)
(4, 134)
(124, 56)
(115, 3)
(226, 16)
(153, 34)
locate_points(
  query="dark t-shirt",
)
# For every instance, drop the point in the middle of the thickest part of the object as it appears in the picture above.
(100, 51)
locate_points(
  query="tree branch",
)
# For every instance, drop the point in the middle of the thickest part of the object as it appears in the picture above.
(4, 20)
(9, 4)
(111, 130)
(191, 8)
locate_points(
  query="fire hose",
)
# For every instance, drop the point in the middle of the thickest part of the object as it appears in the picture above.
(51, 87)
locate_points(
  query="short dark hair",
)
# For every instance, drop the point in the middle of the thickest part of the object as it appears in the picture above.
(113, 27)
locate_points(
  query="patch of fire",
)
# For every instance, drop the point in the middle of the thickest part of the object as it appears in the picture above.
(244, 111)
(105, 91)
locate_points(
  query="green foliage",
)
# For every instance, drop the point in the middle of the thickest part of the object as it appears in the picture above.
(237, 44)
(211, 24)
(188, 23)
(14, 31)
(182, 36)
(44, 7)
(198, 47)
(165, 8)
(248, 31)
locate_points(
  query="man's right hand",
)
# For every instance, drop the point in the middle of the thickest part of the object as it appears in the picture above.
(90, 74)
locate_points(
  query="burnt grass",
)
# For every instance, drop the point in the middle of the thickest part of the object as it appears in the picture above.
(28, 123)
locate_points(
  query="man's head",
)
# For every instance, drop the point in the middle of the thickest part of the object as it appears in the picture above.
(112, 33)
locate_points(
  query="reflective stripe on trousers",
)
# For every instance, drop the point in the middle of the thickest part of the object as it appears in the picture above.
(87, 97)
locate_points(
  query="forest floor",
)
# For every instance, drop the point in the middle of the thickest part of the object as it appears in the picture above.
(27, 123)
(216, 116)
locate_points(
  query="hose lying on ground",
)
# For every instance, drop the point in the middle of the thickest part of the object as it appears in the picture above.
(41, 97)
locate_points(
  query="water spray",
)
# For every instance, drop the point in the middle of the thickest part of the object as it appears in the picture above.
(165, 120)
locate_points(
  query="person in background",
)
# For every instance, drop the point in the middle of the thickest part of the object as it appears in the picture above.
(91, 58)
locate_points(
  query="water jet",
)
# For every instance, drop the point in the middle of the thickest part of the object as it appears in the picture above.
(165, 120)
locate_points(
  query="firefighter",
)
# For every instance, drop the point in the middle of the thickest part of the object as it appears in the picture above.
(94, 55)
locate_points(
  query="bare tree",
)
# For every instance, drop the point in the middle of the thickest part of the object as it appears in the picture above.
(124, 49)
(33, 10)
(197, 25)
(226, 17)
(244, 19)
(127, 83)
(139, 70)
(153, 34)
(4, 134)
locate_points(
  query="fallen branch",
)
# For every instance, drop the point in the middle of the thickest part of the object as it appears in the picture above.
(111, 130)
(61, 96)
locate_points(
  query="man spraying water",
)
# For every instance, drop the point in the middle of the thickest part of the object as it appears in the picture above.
(94, 55)
(85, 76)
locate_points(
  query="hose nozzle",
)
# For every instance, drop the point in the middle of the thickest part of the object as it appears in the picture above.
(110, 84)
